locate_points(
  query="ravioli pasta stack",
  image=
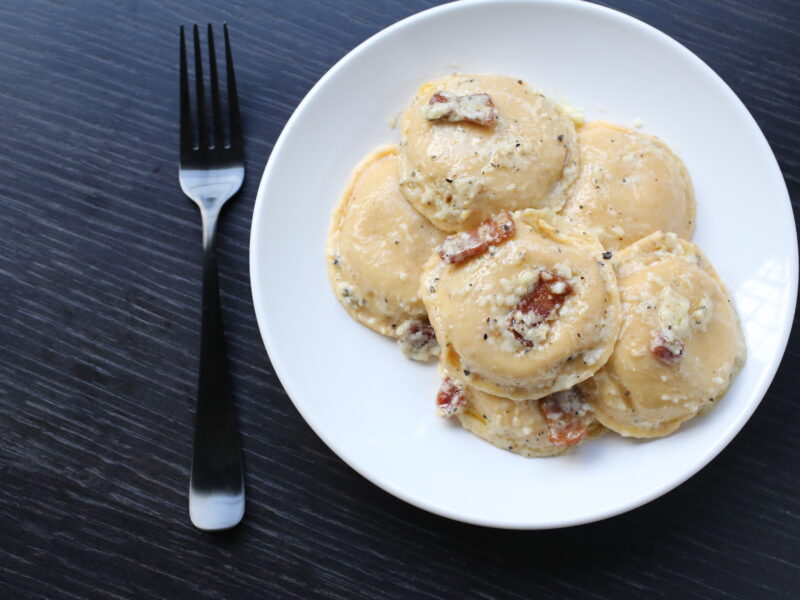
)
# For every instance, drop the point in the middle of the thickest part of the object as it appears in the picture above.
(548, 269)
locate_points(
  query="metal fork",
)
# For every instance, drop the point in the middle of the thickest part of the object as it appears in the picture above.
(211, 172)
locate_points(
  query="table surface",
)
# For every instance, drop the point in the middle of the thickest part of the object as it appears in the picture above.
(100, 278)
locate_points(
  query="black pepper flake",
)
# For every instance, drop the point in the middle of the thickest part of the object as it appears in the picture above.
(397, 242)
(448, 180)
(336, 261)
(467, 372)
(560, 138)
(580, 206)
(485, 336)
(517, 145)
(432, 289)
(607, 255)
(519, 81)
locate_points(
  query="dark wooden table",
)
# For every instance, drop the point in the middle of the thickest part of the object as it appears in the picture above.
(100, 279)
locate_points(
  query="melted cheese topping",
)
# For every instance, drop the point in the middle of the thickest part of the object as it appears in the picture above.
(667, 285)
(459, 174)
(469, 305)
(630, 185)
(376, 247)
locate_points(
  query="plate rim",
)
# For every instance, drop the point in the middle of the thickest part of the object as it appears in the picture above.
(256, 283)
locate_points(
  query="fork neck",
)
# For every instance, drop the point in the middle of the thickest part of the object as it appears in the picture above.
(210, 218)
(212, 310)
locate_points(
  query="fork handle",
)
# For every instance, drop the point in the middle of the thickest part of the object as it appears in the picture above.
(216, 487)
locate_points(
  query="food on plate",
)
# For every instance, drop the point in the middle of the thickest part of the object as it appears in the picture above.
(549, 426)
(523, 306)
(680, 346)
(530, 260)
(376, 247)
(629, 186)
(474, 145)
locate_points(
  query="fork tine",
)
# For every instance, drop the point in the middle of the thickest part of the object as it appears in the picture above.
(186, 111)
(216, 112)
(202, 140)
(233, 99)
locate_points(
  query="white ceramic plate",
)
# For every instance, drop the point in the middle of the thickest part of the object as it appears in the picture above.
(375, 408)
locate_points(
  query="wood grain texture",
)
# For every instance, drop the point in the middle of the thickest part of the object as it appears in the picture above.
(100, 299)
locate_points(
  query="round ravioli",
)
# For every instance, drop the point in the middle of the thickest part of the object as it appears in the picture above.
(473, 145)
(547, 427)
(680, 345)
(535, 312)
(376, 247)
(630, 185)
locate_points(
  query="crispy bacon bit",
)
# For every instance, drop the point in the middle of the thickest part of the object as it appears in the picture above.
(473, 108)
(536, 307)
(667, 347)
(451, 399)
(568, 417)
(418, 340)
(462, 246)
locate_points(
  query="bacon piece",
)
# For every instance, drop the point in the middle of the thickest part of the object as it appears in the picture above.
(473, 108)
(418, 340)
(568, 417)
(667, 347)
(451, 399)
(536, 307)
(462, 246)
